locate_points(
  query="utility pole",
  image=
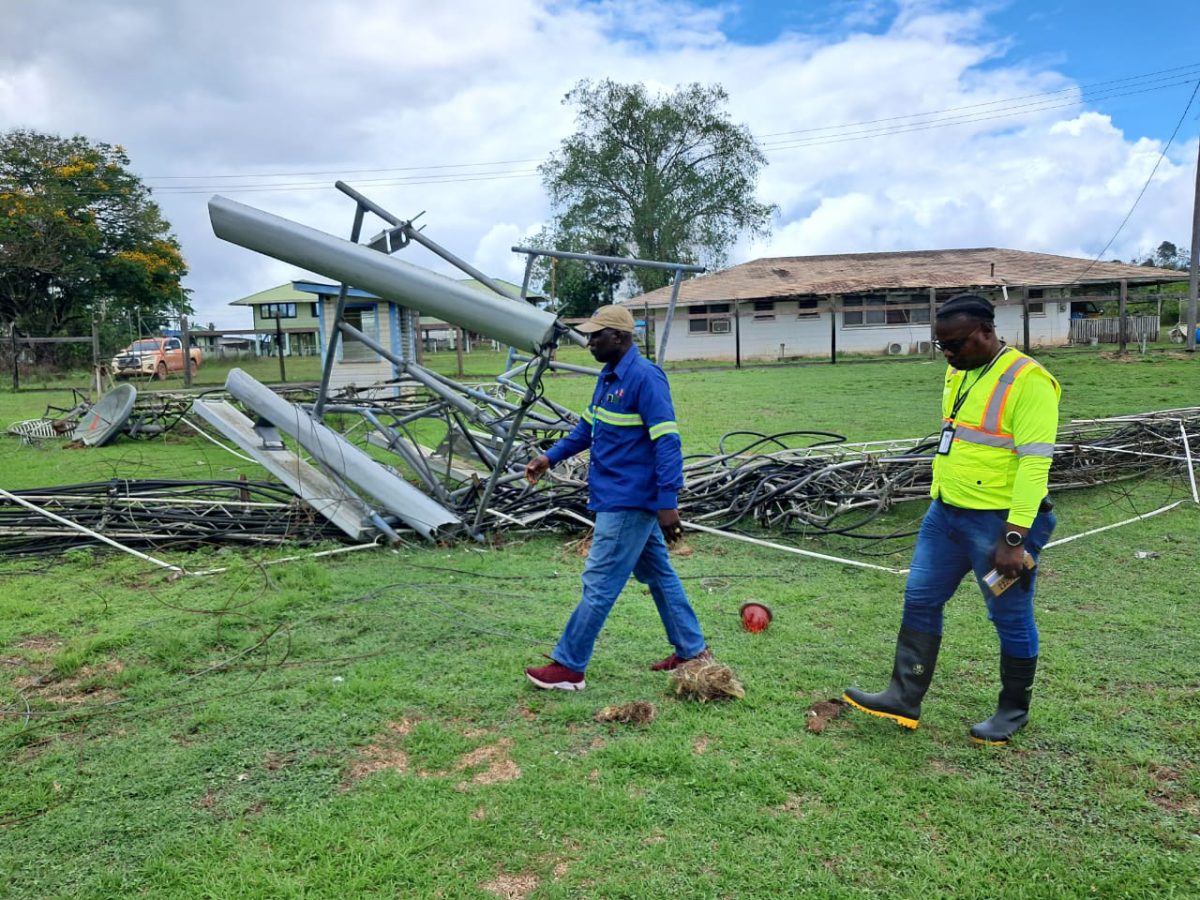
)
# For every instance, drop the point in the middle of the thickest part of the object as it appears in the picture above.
(279, 347)
(185, 338)
(16, 355)
(1192, 269)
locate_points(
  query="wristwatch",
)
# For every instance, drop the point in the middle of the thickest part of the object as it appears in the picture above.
(1014, 538)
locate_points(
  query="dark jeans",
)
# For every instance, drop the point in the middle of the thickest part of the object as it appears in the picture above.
(953, 542)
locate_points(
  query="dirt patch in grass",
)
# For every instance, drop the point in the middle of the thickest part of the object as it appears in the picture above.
(383, 754)
(37, 747)
(943, 767)
(1169, 794)
(275, 761)
(387, 753)
(500, 767)
(821, 713)
(375, 759)
(512, 887)
(700, 745)
(799, 805)
(40, 642)
(82, 687)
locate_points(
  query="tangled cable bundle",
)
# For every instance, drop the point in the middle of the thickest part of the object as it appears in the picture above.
(157, 514)
(808, 483)
(833, 487)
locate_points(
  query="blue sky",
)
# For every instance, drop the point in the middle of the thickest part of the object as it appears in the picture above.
(887, 124)
(1090, 41)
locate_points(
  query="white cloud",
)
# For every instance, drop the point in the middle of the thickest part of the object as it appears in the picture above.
(218, 88)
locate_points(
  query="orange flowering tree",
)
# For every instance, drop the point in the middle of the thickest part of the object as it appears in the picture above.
(80, 236)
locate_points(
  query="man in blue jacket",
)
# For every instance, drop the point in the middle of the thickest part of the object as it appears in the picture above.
(634, 476)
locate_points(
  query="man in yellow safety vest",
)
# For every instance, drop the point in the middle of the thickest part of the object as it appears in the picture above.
(989, 511)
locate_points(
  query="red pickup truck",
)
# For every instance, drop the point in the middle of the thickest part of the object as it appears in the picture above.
(154, 358)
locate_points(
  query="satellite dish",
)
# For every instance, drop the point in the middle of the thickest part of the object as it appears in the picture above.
(107, 417)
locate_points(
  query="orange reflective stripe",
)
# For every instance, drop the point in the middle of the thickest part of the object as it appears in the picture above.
(994, 411)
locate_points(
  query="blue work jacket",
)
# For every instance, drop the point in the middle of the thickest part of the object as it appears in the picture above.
(637, 455)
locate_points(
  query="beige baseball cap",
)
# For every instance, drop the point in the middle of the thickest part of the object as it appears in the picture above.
(618, 318)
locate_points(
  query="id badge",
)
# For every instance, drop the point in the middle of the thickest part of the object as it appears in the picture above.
(945, 440)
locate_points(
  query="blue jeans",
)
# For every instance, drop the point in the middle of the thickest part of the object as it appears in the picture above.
(953, 542)
(625, 542)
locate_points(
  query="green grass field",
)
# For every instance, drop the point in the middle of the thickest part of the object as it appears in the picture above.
(359, 726)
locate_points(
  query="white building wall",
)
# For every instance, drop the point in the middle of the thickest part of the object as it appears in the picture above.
(809, 335)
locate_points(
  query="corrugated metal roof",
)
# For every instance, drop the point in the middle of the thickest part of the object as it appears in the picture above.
(857, 273)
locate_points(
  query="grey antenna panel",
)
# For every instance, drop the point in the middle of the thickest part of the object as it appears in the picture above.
(107, 417)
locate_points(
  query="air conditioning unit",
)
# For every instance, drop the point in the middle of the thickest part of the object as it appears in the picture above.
(922, 347)
(720, 326)
(895, 348)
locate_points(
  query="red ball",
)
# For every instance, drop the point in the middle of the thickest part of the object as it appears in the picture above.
(755, 616)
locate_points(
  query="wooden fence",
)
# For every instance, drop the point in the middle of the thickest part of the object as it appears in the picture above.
(1107, 330)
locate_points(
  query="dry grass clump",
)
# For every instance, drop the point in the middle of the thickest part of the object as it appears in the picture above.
(639, 712)
(704, 680)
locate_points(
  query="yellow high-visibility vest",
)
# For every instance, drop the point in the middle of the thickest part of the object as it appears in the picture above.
(1004, 436)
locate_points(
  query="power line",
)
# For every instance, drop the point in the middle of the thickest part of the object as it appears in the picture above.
(1083, 94)
(311, 185)
(502, 162)
(864, 130)
(887, 131)
(1142, 192)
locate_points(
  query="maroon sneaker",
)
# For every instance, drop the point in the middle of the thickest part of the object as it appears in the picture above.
(674, 661)
(556, 677)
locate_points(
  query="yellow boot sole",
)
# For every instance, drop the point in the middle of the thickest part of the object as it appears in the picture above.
(902, 721)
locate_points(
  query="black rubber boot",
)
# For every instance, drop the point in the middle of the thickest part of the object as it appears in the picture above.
(916, 655)
(1012, 711)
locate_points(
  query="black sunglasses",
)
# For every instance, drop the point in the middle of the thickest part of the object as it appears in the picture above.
(953, 346)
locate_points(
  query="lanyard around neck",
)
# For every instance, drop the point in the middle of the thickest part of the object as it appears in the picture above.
(960, 396)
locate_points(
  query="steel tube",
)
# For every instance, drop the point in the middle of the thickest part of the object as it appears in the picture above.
(418, 511)
(512, 322)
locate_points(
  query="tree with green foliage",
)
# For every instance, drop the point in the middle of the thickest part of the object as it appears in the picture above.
(579, 287)
(669, 177)
(1167, 256)
(80, 237)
